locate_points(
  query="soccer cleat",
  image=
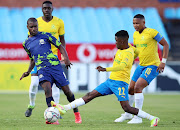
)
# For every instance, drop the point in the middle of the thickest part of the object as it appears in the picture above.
(59, 107)
(55, 123)
(154, 121)
(77, 117)
(135, 120)
(124, 117)
(29, 111)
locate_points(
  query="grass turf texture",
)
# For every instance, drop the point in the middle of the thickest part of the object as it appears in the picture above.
(98, 114)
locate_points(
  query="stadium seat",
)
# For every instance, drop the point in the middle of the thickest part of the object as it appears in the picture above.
(27, 12)
(66, 16)
(156, 23)
(80, 25)
(116, 20)
(104, 23)
(127, 18)
(92, 25)
(178, 13)
(4, 11)
(37, 12)
(138, 11)
(6, 30)
(170, 13)
(18, 25)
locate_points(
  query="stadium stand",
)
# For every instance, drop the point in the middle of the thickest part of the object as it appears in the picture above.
(170, 13)
(82, 25)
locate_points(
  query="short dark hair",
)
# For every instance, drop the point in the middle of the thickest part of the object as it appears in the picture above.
(122, 33)
(31, 20)
(47, 2)
(140, 16)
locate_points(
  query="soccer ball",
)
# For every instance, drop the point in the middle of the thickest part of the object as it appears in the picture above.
(51, 114)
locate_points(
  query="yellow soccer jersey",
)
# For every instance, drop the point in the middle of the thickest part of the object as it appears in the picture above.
(123, 56)
(136, 51)
(146, 43)
(55, 27)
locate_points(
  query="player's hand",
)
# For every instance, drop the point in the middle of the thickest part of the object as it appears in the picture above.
(25, 74)
(161, 67)
(99, 68)
(67, 63)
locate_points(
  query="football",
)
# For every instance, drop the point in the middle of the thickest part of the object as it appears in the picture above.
(51, 114)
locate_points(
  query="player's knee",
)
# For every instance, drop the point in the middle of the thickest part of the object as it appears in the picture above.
(138, 88)
(131, 91)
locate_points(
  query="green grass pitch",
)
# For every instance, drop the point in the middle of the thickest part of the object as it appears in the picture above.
(98, 114)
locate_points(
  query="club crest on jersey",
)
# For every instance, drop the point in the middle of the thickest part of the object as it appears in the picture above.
(53, 26)
(40, 76)
(41, 41)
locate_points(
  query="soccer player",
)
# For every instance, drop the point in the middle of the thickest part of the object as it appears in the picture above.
(117, 82)
(145, 39)
(55, 26)
(38, 47)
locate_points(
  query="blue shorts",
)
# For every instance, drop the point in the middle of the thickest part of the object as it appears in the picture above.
(119, 88)
(53, 74)
(146, 72)
(34, 71)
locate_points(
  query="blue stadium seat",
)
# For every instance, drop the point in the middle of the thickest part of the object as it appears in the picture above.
(92, 25)
(156, 23)
(6, 30)
(18, 25)
(80, 25)
(178, 13)
(127, 17)
(138, 11)
(116, 20)
(104, 23)
(38, 12)
(27, 12)
(66, 16)
(4, 11)
(170, 13)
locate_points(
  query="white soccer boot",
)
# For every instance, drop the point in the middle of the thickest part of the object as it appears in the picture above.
(125, 116)
(135, 120)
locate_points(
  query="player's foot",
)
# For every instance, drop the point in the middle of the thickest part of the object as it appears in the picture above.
(135, 120)
(124, 117)
(77, 117)
(29, 111)
(59, 107)
(154, 121)
(55, 123)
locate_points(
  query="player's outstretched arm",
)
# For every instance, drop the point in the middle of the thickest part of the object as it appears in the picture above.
(65, 55)
(165, 45)
(31, 66)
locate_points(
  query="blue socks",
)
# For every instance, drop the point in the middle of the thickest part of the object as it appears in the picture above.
(48, 101)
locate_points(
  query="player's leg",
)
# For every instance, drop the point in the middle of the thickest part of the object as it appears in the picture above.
(127, 108)
(127, 116)
(148, 74)
(32, 91)
(61, 81)
(55, 93)
(101, 90)
(46, 85)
